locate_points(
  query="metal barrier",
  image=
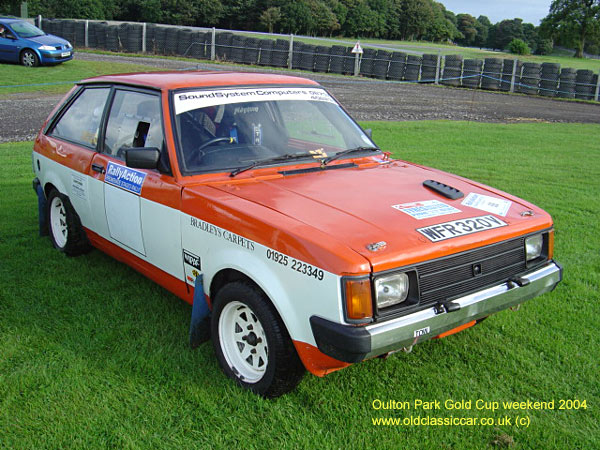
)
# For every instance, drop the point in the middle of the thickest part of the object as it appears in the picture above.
(494, 74)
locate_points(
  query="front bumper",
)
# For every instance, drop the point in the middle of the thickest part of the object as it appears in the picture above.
(55, 57)
(353, 344)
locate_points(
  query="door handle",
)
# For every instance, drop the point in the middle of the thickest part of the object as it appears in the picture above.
(98, 168)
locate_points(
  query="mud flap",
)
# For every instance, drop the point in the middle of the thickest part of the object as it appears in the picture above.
(200, 323)
(42, 208)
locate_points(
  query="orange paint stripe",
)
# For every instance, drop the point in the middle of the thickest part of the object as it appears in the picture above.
(456, 330)
(169, 282)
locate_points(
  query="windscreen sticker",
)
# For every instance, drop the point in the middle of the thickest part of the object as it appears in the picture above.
(187, 101)
(426, 209)
(486, 203)
(462, 227)
(124, 177)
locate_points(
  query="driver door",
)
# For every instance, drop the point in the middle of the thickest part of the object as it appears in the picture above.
(141, 206)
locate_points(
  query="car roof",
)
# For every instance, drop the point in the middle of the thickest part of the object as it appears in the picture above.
(9, 20)
(196, 78)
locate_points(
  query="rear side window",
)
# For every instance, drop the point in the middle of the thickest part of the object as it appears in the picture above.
(134, 121)
(81, 122)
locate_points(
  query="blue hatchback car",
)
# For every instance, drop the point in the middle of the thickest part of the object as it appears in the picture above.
(25, 43)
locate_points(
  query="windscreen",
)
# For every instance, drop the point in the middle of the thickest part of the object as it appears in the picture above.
(26, 30)
(220, 130)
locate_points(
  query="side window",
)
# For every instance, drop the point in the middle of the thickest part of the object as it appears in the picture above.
(134, 121)
(81, 122)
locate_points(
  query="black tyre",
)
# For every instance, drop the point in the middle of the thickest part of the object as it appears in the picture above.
(251, 342)
(64, 226)
(29, 58)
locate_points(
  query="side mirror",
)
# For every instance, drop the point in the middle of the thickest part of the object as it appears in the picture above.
(141, 157)
(369, 133)
(10, 36)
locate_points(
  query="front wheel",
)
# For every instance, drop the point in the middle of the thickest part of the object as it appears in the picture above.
(29, 58)
(251, 342)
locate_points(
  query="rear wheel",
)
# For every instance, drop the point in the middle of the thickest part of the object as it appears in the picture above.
(66, 232)
(29, 58)
(251, 342)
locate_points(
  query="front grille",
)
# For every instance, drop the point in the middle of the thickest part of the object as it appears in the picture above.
(453, 276)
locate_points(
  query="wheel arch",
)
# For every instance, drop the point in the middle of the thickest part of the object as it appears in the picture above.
(258, 274)
(37, 53)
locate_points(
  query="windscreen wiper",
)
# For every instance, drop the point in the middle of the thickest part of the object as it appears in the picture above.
(347, 152)
(274, 159)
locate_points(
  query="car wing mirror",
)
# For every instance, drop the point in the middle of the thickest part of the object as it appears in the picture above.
(369, 133)
(10, 36)
(141, 157)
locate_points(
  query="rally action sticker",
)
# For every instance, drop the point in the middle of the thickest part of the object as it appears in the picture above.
(125, 178)
(426, 209)
(456, 228)
(486, 203)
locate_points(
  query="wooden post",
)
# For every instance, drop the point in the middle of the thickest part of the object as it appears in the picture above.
(144, 37)
(213, 43)
(512, 77)
(291, 51)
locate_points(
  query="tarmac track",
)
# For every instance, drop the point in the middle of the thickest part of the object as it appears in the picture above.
(21, 115)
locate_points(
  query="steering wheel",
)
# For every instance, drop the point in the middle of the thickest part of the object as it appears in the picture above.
(215, 141)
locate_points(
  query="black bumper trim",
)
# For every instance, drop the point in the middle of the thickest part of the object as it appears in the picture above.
(345, 343)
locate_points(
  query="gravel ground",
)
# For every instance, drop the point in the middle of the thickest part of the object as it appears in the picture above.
(21, 115)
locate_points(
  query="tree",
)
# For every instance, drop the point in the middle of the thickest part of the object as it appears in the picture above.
(482, 25)
(573, 21)
(466, 25)
(270, 17)
(519, 47)
(506, 31)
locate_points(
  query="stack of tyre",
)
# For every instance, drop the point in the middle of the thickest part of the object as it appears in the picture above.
(307, 58)
(382, 64)
(266, 52)
(530, 78)
(367, 62)
(507, 71)
(413, 68)
(429, 68)
(112, 38)
(223, 46)
(297, 55)
(78, 33)
(251, 51)
(549, 79)
(492, 74)
(584, 86)
(322, 58)
(452, 70)
(566, 83)
(336, 61)
(397, 66)
(280, 53)
(471, 77)
(198, 45)
(237, 49)
(171, 40)
(349, 61)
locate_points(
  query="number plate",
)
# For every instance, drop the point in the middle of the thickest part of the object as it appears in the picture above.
(65, 54)
(456, 228)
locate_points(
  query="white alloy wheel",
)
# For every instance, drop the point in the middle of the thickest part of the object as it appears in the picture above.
(243, 341)
(58, 222)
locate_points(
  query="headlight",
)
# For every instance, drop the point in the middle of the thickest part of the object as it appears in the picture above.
(533, 247)
(47, 48)
(391, 290)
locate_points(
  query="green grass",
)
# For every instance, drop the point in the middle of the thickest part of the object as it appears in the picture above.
(92, 354)
(65, 73)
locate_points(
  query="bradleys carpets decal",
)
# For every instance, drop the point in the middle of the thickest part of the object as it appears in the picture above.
(125, 178)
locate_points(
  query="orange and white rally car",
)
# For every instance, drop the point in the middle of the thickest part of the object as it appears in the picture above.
(300, 244)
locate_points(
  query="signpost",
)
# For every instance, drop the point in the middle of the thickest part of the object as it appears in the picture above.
(358, 51)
